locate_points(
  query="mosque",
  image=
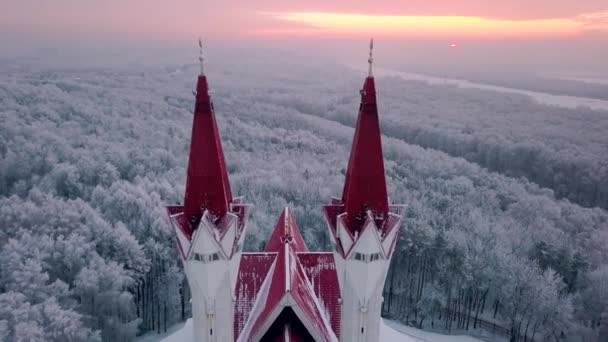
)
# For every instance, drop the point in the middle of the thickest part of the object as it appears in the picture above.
(286, 292)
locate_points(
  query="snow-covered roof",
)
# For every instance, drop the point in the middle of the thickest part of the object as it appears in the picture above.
(287, 289)
(320, 270)
(287, 298)
(286, 229)
(253, 270)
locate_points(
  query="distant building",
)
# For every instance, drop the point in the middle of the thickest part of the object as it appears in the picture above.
(285, 293)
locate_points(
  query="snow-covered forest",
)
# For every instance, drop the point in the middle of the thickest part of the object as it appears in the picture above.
(504, 196)
(554, 147)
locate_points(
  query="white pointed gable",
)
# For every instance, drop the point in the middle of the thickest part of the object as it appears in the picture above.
(203, 240)
(366, 261)
(391, 236)
(182, 240)
(368, 241)
(228, 242)
(345, 238)
(207, 264)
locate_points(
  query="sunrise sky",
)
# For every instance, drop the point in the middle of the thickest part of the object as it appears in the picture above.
(412, 18)
(577, 25)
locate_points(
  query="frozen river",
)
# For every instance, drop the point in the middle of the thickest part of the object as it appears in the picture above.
(544, 98)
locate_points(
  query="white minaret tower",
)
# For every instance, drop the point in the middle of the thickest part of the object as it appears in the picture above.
(363, 226)
(210, 226)
(211, 264)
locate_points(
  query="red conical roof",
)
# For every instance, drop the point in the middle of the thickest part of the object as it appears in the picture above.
(286, 230)
(207, 185)
(365, 184)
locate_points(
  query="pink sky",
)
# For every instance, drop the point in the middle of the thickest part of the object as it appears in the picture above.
(541, 34)
(182, 19)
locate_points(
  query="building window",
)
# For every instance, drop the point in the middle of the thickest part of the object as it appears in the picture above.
(206, 258)
(360, 256)
(367, 257)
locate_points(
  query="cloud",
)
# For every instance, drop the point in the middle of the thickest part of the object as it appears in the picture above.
(181, 19)
(495, 9)
(344, 24)
(594, 21)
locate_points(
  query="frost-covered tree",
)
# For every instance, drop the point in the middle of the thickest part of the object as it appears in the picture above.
(89, 157)
(43, 321)
(603, 329)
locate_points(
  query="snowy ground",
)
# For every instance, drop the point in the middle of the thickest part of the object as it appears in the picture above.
(178, 332)
(390, 332)
(394, 331)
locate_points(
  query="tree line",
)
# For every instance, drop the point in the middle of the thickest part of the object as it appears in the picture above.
(88, 159)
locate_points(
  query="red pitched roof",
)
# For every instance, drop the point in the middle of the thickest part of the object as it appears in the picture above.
(287, 274)
(252, 273)
(207, 184)
(287, 286)
(286, 229)
(320, 270)
(365, 184)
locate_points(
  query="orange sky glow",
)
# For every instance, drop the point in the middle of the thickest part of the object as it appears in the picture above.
(183, 19)
(319, 23)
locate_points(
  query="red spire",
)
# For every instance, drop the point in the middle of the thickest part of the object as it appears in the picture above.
(207, 184)
(365, 184)
(286, 230)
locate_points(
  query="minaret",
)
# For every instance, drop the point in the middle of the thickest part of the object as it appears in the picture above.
(365, 184)
(210, 226)
(363, 226)
(207, 184)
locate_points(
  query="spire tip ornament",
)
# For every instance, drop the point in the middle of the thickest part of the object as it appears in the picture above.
(370, 60)
(200, 54)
